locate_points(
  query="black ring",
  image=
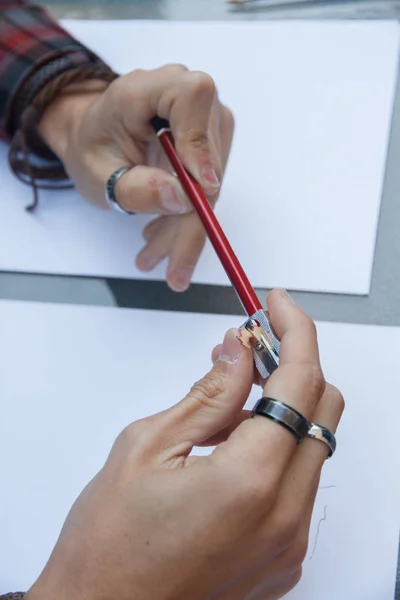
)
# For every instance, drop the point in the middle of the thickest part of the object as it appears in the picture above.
(285, 415)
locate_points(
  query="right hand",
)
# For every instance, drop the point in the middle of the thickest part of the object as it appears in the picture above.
(96, 131)
(156, 523)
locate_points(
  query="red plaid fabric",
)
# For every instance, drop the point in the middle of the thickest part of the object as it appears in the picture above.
(31, 44)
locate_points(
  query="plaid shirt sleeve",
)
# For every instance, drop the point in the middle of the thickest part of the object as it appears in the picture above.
(31, 41)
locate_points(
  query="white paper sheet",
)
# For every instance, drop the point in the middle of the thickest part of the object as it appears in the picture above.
(72, 377)
(313, 106)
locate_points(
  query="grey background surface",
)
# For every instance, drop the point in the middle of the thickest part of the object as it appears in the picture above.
(381, 307)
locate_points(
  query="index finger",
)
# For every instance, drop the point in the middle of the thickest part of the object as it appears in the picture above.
(187, 101)
(260, 443)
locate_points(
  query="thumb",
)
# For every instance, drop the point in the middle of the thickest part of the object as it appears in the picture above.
(216, 399)
(150, 190)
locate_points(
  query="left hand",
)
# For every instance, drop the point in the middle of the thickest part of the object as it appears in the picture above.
(96, 131)
(156, 523)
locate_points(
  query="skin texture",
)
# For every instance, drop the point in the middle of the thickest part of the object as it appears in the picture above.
(96, 131)
(158, 523)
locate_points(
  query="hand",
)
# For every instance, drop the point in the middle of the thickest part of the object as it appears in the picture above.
(96, 132)
(158, 523)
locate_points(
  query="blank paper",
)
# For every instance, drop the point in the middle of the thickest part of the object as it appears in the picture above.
(72, 378)
(301, 198)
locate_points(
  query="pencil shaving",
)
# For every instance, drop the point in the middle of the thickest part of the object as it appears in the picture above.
(244, 338)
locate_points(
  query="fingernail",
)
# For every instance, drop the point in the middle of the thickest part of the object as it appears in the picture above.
(171, 200)
(179, 280)
(285, 295)
(231, 347)
(209, 178)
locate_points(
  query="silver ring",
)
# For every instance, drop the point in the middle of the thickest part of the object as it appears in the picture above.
(285, 415)
(317, 432)
(109, 190)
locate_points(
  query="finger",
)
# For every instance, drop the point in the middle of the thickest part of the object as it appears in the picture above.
(224, 434)
(294, 503)
(227, 126)
(214, 356)
(191, 237)
(188, 248)
(269, 578)
(185, 252)
(283, 573)
(294, 328)
(158, 248)
(304, 531)
(214, 137)
(152, 228)
(293, 557)
(215, 353)
(304, 470)
(220, 139)
(220, 135)
(260, 444)
(270, 575)
(189, 115)
(290, 553)
(149, 190)
(213, 402)
(185, 98)
(215, 154)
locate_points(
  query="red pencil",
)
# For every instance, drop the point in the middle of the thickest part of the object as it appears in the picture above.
(261, 337)
(218, 239)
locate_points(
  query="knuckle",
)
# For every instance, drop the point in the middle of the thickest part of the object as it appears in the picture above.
(336, 399)
(133, 434)
(202, 83)
(315, 379)
(255, 492)
(295, 578)
(198, 139)
(115, 88)
(229, 119)
(124, 89)
(295, 555)
(174, 69)
(206, 390)
(306, 326)
(261, 492)
(135, 73)
(287, 528)
(310, 325)
(130, 445)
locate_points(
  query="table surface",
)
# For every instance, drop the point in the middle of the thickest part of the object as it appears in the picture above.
(381, 306)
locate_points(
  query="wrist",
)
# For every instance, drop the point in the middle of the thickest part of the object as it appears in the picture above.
(64, 115)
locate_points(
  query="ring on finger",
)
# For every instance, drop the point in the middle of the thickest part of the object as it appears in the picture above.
(110, 190)
(295, 422)
(323, 434)
(284, 415)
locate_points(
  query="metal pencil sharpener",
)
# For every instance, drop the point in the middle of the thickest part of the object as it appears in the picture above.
(257, 334)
